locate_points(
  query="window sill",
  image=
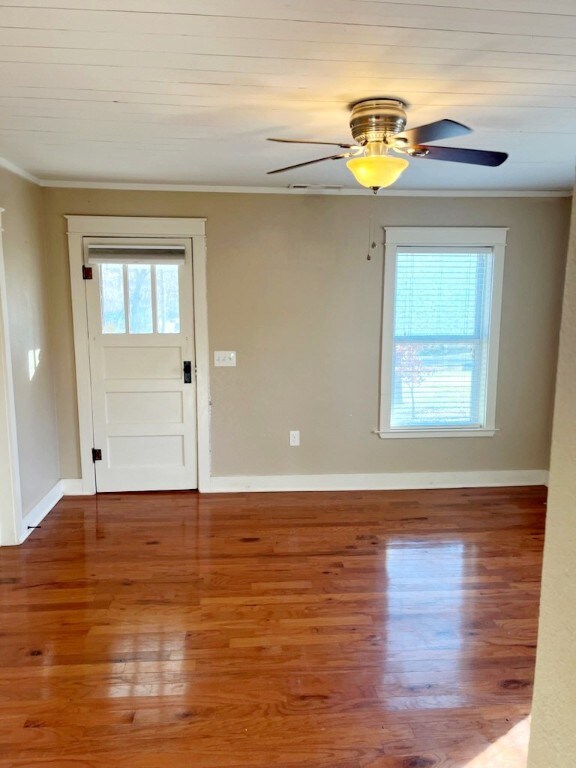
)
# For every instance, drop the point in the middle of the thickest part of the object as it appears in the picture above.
(419, 433)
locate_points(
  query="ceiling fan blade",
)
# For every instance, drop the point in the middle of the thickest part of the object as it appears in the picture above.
(458, 155)
(304, 141)
(309, 162)
(441, 129)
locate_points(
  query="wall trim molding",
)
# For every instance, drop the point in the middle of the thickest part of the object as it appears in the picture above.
(343, 191)
(40, 510)
(13, 168)
(387, 481)
(142, 187)
(75, 487)
(223, 188)
(11, 497)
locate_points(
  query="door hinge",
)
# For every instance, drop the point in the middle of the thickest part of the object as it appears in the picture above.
(86, 272)
(96, 454)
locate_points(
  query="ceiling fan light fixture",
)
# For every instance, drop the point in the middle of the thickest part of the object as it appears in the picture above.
(377, 171)
(378, 125)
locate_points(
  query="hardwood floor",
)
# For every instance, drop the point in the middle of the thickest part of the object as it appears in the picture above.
(310, 630)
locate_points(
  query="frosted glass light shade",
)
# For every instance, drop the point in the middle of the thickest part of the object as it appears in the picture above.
(377, 170)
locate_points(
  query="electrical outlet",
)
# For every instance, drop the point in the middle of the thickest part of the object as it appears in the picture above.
(294, 437)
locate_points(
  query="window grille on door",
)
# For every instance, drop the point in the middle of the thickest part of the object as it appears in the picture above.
(139, 287)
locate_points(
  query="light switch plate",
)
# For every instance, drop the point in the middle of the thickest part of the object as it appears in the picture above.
(224, 359)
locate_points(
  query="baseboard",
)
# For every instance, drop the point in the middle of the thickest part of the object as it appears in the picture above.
(377, 482)
(386, 481)
(40, 510)
(75, 487)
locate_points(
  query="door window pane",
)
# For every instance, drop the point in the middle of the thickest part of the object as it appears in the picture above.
(140, 298)
(167, 298)
(112, 298)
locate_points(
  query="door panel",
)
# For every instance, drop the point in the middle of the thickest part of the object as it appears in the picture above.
(146, 450)
(142, 361)
(140, 319)
(144, 407)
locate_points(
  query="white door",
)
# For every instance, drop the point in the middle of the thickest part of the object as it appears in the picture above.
(142, 363)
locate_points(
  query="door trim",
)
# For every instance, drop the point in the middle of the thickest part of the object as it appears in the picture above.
(132, 226)
(11, 500)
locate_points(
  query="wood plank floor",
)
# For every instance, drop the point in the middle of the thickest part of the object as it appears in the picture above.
(310, 630)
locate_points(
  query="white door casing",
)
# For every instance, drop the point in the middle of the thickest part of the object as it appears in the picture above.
(119, 363)
(11, 497)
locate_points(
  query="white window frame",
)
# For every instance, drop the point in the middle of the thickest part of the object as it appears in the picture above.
(449, 237)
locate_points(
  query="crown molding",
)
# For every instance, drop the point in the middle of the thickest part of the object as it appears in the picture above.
(13, 168)
(62, 184)
(223, 189)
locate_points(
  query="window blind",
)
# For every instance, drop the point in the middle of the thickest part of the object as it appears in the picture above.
(440, 337)
(135, 254)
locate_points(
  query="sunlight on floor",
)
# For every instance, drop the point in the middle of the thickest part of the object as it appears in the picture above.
(510, 751)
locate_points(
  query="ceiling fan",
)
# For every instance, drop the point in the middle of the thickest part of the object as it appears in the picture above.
(377, 126)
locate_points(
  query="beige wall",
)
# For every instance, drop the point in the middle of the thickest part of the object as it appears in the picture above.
(26, 284)
(553, 743)
(290, 289)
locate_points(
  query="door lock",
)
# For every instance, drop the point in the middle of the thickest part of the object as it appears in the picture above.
(187, 366)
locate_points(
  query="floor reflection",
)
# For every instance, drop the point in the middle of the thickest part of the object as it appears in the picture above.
(425, 601)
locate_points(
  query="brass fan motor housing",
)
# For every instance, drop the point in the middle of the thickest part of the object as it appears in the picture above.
(377, 119)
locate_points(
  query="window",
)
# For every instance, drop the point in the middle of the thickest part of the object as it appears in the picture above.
(440, 333)
(139, 285)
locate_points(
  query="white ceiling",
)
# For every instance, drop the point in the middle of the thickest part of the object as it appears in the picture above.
(186, 91)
